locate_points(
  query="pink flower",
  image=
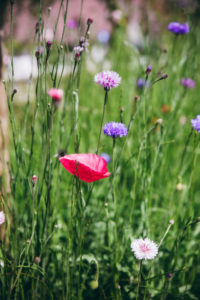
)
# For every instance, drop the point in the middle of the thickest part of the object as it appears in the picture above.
(56, 94)
(107, 79)
(2, 217)
(144, 249)
(87, 167)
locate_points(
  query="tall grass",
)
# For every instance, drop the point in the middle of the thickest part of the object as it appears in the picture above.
(67, 239)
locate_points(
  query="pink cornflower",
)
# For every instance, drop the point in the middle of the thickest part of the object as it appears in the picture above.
(2, 217)
(56, 94)
(144, 249)
(107, 79)
(188, 83)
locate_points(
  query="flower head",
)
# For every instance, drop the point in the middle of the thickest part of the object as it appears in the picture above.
(56, 94)
(178, 28)
(72, 24)
(144, 249)
(188, 83)
(87, 167)
(196, 123)
(106, 157)
(141, 83)
(103, 36)
(115, 129)
(2, 217)
(107, 79)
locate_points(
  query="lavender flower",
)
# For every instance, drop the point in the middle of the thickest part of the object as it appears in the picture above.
(106, 157)
(196, 123)
(178, 28)
(141, 83)
(103, 36)
(115, 129)
(107, 79)
(188, 83)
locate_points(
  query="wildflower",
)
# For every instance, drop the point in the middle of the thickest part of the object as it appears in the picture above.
(166, 108)
(188, 83)
(144, 249)
(78, 49)
(56, 94)
(148, 70)
(34, 179)
(87, 167)
(106, 157)
(178, 28)
(115, 129)
(72, 24)
(107, 79)
(196, 123)
(172, 221)
(141, 83)
(103, 36)
(2, 217)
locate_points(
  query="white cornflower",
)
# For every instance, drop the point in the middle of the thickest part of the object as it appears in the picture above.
(144, 249)
(2, 217)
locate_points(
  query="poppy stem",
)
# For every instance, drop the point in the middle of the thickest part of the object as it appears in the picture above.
(104, 108)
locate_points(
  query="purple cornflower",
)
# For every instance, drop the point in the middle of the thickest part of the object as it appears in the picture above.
(141, 83)
(106, 157)
(188, 83)
(115, 129)
(178, 28)
(107, 79)
(196, 123)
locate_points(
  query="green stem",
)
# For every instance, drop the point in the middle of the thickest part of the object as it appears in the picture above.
(139, 279)
(104, 108)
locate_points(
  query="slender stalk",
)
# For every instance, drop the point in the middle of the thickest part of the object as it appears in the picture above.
(139, 279)
(102, 119)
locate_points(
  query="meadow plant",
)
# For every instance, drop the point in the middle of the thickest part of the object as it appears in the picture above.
(68, 236)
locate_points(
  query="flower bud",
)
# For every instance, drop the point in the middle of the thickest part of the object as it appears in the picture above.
(148, 70)
(34, 179)
(94, 284)
(89, 21)
(48, 45)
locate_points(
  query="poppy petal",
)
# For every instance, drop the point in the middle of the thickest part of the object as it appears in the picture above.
(87, 167)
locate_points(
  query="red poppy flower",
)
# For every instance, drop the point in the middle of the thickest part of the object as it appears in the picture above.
(87, 167)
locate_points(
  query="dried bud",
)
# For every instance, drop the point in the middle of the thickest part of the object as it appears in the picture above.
(48, 45)
(49, 9)
(37, 54)
(89, 21)
(136, 98)
(37, 259)
(164, 76)
(148, 70)
(77, 56)
(14, 91)
(121, 109)
(169, 275)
